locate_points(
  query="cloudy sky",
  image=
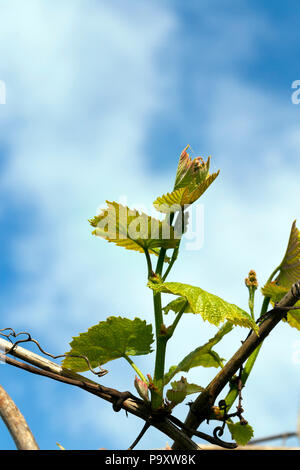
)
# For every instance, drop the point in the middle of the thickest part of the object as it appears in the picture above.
(101, 97)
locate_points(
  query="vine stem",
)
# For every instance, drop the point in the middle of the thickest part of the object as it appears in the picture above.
(53, 371)
(161, 344)
(135, 367)
(149, 264)
(162, 335)
(171, 329)
(233, 392)
(173, 259)
(201, 407)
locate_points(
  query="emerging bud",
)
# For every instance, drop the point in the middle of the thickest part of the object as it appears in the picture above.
(251, 280)
(190, 172)
(163, 329)
(141, 388)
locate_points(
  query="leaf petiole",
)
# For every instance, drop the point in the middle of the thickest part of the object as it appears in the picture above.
(171, 328)
(134, 366)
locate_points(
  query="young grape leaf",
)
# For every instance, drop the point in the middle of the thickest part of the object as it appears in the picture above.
(289, 272)
(202, 356)
(241, 433)
(276, 293)
(180, 389)
(183, 197)
(109, 340)
(192, 180)
(132, 230)
(190, 172)
(209, 306)
(177, 305)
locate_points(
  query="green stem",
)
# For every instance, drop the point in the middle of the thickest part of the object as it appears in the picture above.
(265, 306)
(233, 392)
(171, 328)
(161, 335)
(163, 251)
(273, 273)
(134, 366)
(251, 302)
(161, 343)
(173, 259)
(161, 260)
(266, 301)
(149, 264)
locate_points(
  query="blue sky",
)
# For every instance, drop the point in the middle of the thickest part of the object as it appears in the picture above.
(101, 98)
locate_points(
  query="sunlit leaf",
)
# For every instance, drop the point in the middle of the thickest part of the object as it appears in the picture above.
(241, 433)
(190, 172)
(192, 180)
(183, 197)
(202, 356)
(209, 306)
(177, 305)
(290, 266)
(133, 230)
(109, 340)
(180, 389)
(276, 293)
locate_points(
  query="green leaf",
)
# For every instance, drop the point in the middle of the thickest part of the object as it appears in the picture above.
(176, 200)
(133, 230)
(190, 172)
(293, 317)
(177, 305)
(192, 180)
(276, 293)
(109, 340)
(180, 389)
(209, 306)
(202, 356)
(241, 433)
(289, 272)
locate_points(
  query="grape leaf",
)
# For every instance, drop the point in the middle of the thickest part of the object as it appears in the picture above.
(276, 293)
(192, 180)
(176, 200)
(109, 340)
(190, 172)
(289, 272)
(180, 389)
(209, 306)
(202, 356)
(177, 305)
(132, 230)
(241, 433)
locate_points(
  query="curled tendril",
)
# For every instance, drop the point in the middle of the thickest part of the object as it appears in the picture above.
(12, 334)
